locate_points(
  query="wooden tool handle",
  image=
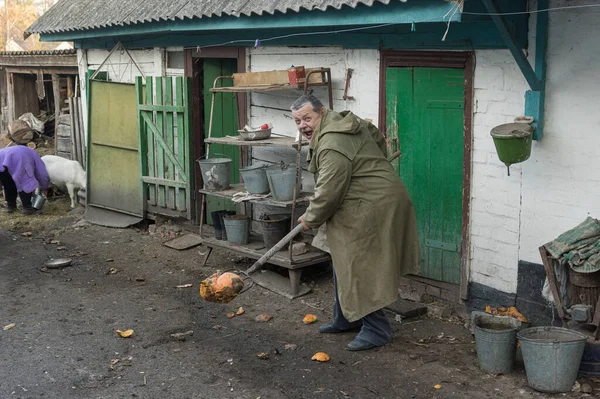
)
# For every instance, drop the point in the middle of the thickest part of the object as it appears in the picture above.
(276, 248)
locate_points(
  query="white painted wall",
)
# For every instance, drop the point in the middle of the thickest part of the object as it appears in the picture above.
(558, 187)
(274, 107)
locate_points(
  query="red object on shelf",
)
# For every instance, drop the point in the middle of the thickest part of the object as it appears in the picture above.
(296, 75)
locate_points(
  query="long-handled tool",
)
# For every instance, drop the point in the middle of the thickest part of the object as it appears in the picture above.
(289, 236)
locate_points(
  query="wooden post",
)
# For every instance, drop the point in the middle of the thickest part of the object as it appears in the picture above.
(69, 86)
(10, 97)
(56, 91)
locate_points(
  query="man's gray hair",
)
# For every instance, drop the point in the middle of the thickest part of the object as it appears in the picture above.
(315, 103)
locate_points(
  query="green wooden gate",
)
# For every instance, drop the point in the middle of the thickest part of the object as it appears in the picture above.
(425, 112)
(164, 123)
(225, 123)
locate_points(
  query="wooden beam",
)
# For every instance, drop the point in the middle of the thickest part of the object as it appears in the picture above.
(56, 91)
(517, 52)
(535, 102)
(10, 97)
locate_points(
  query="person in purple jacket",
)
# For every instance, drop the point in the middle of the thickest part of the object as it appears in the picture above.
(21, 172)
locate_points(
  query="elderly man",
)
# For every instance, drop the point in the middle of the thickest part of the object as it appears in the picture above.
(371, 223)
(21, 171)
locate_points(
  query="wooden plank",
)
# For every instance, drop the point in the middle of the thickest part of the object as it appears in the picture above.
(158, 131)
(142, 140)
(273, 141)
(255, 249)
(82, 135)
(162, 108)
(188, 148)
(74, 143)
(182, 193)
(512, 44)
(267, 78)
(150, 141)
(164, 182)
(56, 91)
(169, 139)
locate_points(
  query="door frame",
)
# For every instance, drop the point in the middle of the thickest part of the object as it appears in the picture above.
(441, 59)
(191, 55)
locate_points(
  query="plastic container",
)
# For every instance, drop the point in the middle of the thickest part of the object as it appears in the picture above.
(513, 142)
(274, 229)
(552, 356)
(255, 178)
(216, 173)
(496, 341)
(237, 228)
(281, 182)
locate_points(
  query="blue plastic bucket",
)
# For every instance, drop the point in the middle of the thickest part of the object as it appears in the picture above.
(237, 228)
(281, 182)
(255, 178)
(216, 173)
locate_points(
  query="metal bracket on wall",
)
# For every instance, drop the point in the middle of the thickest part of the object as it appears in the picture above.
(534, 98)
(348, 77)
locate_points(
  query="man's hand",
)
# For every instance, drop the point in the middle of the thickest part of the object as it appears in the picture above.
(304, 226)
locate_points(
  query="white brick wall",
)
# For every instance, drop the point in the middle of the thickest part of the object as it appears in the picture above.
(559, 185)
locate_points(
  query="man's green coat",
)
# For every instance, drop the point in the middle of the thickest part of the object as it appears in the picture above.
(371, 223)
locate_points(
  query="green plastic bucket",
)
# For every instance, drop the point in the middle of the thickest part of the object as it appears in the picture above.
(255, 178)
(552, 356)
(496, 342)
(237, 228)
(216, 173)
(513, 142)
(281, 181)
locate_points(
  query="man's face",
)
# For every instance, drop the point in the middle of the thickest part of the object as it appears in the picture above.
(307, 119)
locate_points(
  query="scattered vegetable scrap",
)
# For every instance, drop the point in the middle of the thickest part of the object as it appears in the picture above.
(263, 317)
(511, 311)
(125, 334)
(231, 315)
(262, 355)
(221, 288)
(26, 234)
(438, 386)
(8, 326)
(309, 319)
(290, 347)
(320, 357)
(240, 311)
(183, 286)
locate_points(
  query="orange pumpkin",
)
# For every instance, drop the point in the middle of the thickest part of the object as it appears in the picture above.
(221, 288)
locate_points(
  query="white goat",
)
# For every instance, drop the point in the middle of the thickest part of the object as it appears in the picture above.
(65, 173)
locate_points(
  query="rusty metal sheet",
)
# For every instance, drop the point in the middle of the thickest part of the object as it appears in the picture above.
(113, 158)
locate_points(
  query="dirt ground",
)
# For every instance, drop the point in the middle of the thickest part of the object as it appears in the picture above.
(63, 343)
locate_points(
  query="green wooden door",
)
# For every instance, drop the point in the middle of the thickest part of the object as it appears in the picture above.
(225, 123)
(425, 112)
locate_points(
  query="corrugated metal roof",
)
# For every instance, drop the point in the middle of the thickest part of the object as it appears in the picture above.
(74, 15)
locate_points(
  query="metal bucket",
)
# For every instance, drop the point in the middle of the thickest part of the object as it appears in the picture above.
(281, 182)
(274, 229)
(552, 356)
(38, 201)
(216, 173)
(496, 342)
(255, 178)
(237, 228)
